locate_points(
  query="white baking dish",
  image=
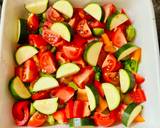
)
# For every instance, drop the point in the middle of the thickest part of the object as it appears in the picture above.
(142, 14)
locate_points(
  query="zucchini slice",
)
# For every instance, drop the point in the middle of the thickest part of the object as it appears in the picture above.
(24, 53)
(93, 97)
(125, 50)
(32, 109)
(130, 113)
(127, 80)
(112, 95)
(46, 106)
(37, 7)
(64, 7)
(67, 70)
(79, 122)
(92, 52)
(22, 31)
(45, 83)
(18, 89)
(63, 29)
(95, 10)
(115, 20)
(98, 31)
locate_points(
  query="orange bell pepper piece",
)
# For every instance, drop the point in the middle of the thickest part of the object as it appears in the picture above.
(137, 55)
(102, 105)
(139, 118)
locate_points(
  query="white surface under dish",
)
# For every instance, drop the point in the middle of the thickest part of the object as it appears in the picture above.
(142, 14)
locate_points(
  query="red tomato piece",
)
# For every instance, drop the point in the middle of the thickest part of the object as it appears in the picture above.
(19, 72)
(83, 15)
(98, 87)
(96, 24)
(61, 58)
(138, 96)
(83, 29)
(111, 77)
(30, 71)
(53, 16)
(85, 76)
(80, 63)
(81, 109)
(139, 79)
(128, 22)
(118, 66)
(47, 24)
(72, 52)
(109, 9)
(69, 109)
(37, 41)
(33, 22)
(60, 116)
(37, 119)
(63, 93)
(50, 36)
(104, 120)
(20, 112)
(41, 95)
(119, 38)
(79, 41)
(47, 62)
(101, 58)
(109, 63)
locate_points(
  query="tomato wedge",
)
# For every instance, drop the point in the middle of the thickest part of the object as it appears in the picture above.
(139, 79)
(85, 76)
(80, 62)
(96, 24)
(109, 63)
(83, 29)
(138, 96)
(50, 37)
(53, 16)
(61, 58)
(37, 119)
(104, 120)
(79, 41)
(69, 109)
(19, 72)
(63, 93)
(111, 77)
(72, 52)
(40, 95)
(37, 41)
(98, 86)
(118, 38)
(20, 112)
(47, 62)
(30, 71)
(33, 22)
(60, 116)
(81, 109)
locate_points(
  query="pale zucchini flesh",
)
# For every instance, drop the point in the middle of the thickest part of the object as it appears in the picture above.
(67, 70)
(45, 83)
(112, 95)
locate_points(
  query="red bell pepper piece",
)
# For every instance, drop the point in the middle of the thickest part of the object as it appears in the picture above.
(60, 116)
(40, 95)
(139, 79)
(69, 109)
(98, 86)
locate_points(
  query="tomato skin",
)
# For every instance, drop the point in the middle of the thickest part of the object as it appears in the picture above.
(109, 63)
(47, 62)
(119, 38)
(118, 66)
(50, 37)
(53, 16)
(72, 52)
(111, 77)
(30, 71)
(96, 24)
(40, 95)
(20, 112)
(102, 57)
(37, 119)
(104, 120)
(85, 76)
(19, 72)
(83, 29)
(63, 93)
(81, 109)
(61, 58)
(138, 96)
(139, 79)
(37, 41)
(33, 22)
(60, 116)
(80, 62)
(79, 41)
(98, 86)
(69, 109)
